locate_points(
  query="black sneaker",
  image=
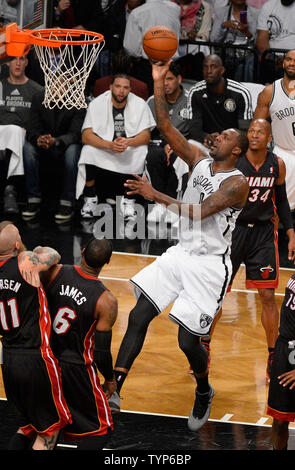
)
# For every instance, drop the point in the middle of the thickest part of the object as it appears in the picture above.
(31, 210)
(64, 213)
(201, 410)
(10, 205)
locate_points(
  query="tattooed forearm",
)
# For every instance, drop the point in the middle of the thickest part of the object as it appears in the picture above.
(233, 192)
(30, 277)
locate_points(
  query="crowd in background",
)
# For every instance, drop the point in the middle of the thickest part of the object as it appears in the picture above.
(250, 37)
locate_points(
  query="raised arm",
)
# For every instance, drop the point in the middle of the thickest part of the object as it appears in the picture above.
(187, 152)
(263, 102)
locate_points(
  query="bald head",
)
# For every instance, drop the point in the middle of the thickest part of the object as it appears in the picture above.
(213, 58)
(10, 239)
(213, 70)
(264, 123)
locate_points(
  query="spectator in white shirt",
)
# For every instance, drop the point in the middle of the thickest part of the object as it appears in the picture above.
(151, 13)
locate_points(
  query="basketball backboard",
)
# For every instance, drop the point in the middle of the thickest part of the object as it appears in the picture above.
(28, 14)
(35, 14)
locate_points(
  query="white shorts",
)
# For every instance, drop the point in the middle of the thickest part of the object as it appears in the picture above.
(196, 285)
(288, 156)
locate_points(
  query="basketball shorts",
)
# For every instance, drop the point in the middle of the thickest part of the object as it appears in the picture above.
(87, 402)
(288, 156)
(33, 385)
(257, 247)
(281, 400)
(196, 285)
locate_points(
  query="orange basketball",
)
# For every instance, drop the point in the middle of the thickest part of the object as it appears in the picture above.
(160, 43)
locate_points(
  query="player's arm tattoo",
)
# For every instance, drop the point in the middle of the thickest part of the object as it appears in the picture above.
(31, 263)
(233, 192)
(48, 442)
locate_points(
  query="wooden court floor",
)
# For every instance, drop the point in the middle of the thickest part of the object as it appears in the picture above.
(159, 381)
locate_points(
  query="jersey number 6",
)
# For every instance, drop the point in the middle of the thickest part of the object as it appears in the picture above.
(62, 320)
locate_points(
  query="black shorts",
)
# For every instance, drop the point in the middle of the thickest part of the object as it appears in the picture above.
(32, 384)
(281, 400)
(86, 400)
(257, 247)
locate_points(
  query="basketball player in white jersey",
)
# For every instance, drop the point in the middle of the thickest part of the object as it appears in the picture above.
(277, 102)
(194, 274)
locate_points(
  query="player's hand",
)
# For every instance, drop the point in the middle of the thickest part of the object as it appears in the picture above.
(168, 152)
(110, 386)
(210, 139)
(160, 69)
(287, 379)
(140, 186)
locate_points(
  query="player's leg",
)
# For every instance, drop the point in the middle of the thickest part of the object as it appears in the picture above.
(270, 321)
(139, 319)
(262, 273)
(280, 434)
(19, 441)
(239, 245)
(45, 442)
(198, 358)
(93, 442)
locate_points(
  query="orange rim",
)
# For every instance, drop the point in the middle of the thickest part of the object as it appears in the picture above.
(41, 37)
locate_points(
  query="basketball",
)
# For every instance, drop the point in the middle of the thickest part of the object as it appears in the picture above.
(160, 43)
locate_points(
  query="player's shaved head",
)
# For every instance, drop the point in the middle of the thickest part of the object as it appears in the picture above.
(263, 123)
(97, 252)
(9, 238)
(213, 58)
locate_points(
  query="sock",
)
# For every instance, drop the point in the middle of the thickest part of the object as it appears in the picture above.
(19, 442)
(203, 384)
(89, 191)
(207, 340)
(120, 378)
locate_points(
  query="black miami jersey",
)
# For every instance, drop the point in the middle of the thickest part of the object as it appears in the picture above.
(24, 316)
(287, 318)
(260, 206)
(30, 372)
(72, 298)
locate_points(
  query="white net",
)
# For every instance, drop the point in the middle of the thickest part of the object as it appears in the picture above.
(66, 69)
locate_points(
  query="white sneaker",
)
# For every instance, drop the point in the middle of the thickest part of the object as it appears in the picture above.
(90, 208)
(201, 410)
(171, 217)
(128, 208)
(157, 213)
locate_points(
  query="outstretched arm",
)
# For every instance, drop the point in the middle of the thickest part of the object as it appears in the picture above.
(187, 152)
(233, 193)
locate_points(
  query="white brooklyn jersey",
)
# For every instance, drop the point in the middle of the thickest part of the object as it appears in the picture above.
(282, 113)
(212, 235)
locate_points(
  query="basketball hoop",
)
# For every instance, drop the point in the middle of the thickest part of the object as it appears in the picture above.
(66, 57)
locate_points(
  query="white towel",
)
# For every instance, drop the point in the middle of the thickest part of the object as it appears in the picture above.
(99, 118)
(13, 137)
